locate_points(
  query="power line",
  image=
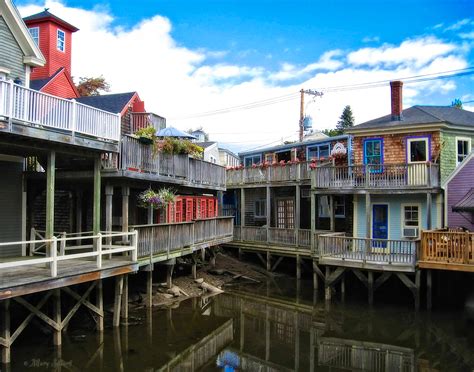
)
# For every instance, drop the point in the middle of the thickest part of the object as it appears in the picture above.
(368, 85)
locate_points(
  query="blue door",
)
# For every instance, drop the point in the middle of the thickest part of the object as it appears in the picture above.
(379, 224)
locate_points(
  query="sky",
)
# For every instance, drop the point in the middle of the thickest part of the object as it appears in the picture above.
(201, 63)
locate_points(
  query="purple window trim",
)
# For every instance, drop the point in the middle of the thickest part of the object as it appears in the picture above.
(426, 136)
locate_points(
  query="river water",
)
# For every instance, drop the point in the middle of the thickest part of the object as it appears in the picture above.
(276, 326)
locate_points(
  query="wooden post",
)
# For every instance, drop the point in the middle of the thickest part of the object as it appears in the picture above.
(203, 255)
(370, 287)
(268, 211)
(269, 261)
(297, 213)
(368, 216)
(50, 187)
(194, 266)
(298, 267)
(6, 357)
(332, 224)
(213, 257)
(169, 276)
(297, 342)
(57, 339)
(118, 299)
(100, 305)
(242, 326)
(125, 208)
(428, 210)
(124, 312)
(109, 193)
(149, 288)
(313, 223)
(96, 197)
(326, 284)
(428, 289)
(315, 276)
(220, 203)
(343, 287)
(242, 209)
(150, 215)
(417, 289)
(267, 334)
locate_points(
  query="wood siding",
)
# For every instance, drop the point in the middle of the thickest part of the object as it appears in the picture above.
(394, 147)
(457, 189)
(251, 196)
(11, 55)
(60, 87)
(448, 160)
(10, 202)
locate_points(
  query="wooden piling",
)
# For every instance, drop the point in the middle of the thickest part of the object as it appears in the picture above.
(57, 339)
(118, 300)
(149, 288)
(370, 287)
(429, 286)
(6, 356)
(100, 305)
(124, 312)
(327, 287)
(169, 275)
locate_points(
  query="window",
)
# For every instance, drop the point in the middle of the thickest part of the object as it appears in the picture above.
(339, 207)
(285, 214)
(323, 206)
(318, 152)
(34, 32)
(463, 148)
(417, 150)
(260, 208)
(373, 151)
(411, 216)
(61, 42)
(253, 159)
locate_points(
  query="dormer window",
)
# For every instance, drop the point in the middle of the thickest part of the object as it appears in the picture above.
(61, 42)
(34, 32)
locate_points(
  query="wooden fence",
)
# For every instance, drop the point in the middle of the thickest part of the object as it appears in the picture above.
(168, 238)
(452, 247)
(386, 251)
(377, 176)
(31, 107)
(141, 158)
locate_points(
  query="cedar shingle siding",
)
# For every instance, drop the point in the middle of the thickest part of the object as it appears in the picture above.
(11, 56)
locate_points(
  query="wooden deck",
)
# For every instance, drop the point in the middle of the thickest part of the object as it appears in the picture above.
(447, 250)
(19, 281)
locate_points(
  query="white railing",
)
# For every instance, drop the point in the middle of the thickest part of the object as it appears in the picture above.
(31, 107)
(93, 247)
(377, 176)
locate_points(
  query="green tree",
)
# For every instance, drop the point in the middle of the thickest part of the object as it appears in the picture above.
(92, 86)
(346, 120)
(457, 103)
(331, 132)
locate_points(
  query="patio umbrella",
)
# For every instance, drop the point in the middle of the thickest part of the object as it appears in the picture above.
(173, 132)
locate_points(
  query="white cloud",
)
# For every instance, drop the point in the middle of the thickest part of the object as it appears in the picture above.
(176, 81)
(459, 24)
(467, 35)
(369, 39)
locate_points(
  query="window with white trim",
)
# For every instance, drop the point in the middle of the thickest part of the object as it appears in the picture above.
(463, 148)
(34, 32)
(252, 159)
(418, 150)
(411, 216)
(260, 208)
(61, 41)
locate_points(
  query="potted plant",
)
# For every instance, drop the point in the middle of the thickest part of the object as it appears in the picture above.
(146, 135)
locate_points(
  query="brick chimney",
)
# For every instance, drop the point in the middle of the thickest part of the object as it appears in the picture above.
(396, 88)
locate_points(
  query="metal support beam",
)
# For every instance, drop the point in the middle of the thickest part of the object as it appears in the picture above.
(96, 197)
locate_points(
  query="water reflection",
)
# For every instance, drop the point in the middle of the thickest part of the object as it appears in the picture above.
(264, 329)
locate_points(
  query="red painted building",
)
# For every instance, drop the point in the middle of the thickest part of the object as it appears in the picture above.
(54, 38)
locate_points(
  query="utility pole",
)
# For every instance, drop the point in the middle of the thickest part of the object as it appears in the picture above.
(314, 93)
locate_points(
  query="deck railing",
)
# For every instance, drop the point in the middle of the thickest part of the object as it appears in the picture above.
(337, 245)
(451, 247)
(274, 174)
(168, 238)
(300, 238)
(30, 107)
(91, 246)
(376, 176)
(141, 158)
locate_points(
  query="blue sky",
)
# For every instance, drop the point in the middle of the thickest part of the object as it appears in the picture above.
(188, 57)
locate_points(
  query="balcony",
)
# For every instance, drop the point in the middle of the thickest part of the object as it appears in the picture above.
(385, 176)
(375, 254)
(137, 160)
(29, 113)
(160, 242)
(288, 173)
(447, 250)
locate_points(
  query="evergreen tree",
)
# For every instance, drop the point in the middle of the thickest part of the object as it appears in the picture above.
(457, 103)
(346, 120)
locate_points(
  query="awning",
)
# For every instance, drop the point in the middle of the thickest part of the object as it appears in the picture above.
(466, 204)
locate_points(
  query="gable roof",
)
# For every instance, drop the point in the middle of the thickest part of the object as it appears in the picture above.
(39, 84)
(114, 103)
(32, 54)
(206, 144)
(228, 151)
(45, 15)
(421, 115)
(458, 169)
